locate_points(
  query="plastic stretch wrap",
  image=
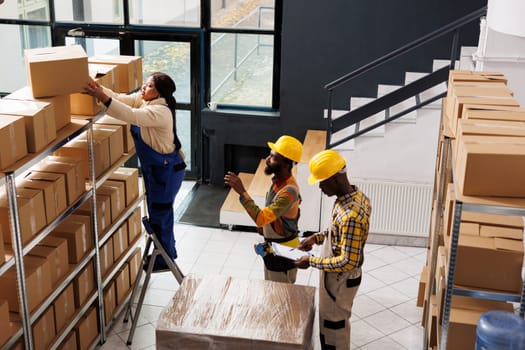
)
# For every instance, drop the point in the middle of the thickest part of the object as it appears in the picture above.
(219, 312)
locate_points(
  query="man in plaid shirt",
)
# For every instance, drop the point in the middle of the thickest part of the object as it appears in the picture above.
(343, 248)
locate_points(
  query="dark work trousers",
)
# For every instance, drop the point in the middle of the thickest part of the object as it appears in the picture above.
(163, 175)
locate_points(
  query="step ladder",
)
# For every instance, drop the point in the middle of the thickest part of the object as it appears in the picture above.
(173, 267)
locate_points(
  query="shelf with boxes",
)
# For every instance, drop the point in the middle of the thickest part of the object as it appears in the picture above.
(475, 259)
(112, 193)
(57, 169)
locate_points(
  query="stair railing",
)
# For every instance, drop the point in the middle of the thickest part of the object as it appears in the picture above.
(354, 117)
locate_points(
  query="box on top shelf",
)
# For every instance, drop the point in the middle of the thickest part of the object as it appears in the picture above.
(58, 70)
(481, 96)
(84, 104)
(129, 70)
(60, 104)
(12, 140)
(488, 112)
(235, 313)
(475, 76)
(39, 119)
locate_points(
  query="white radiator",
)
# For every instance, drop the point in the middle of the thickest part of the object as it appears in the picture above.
(399, 208)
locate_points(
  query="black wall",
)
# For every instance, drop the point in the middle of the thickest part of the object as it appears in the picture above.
(321, 41)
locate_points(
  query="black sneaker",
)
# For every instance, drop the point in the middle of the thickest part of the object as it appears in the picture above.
(157, 267)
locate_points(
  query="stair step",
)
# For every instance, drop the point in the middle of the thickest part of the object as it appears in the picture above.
(466, 60)
(232, 212)
(383, 89)
(438, 63)
(336, 113)
(425, 95)
(314, 142)
(356, 102)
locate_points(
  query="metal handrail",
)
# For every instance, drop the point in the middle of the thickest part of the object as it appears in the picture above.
(388, 100)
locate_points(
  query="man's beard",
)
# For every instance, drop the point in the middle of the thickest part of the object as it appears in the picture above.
(269, 170)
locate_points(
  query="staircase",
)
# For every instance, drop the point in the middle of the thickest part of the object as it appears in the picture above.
(390, 145)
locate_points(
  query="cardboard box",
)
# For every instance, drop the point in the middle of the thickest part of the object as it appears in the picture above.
(84, 104)
(78, 149)
(456, 76)
(53, 186)
(487, 168)
(472, 127)
(77, 230)
(38, 283)
(39, 121)
(12, 140)
(492, 219)
(4, 321)
(87, 329)
(127, 139)
(44, 330)
(120, 241)
(135, 264)
(72, 169)
(130, 177)
(115, 190)
(115, 139)
(487, 112)
(103, 212)
(60, 103)
(84, 285)
(106, 257)
(122, 284)
(70, 343)
(64, 306)
(110, 302)
(464, 315)
(229, 313)
(134, 223)
(475, 265)
(31, 214)
(54, 250)
(58, 70)
(129, 70)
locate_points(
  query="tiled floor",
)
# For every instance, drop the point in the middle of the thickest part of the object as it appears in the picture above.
(385, 315)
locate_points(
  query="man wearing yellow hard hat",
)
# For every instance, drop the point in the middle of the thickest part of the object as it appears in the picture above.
(343, 242)
(279, 218)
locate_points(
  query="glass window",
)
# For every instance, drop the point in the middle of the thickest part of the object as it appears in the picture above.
(96, 46)
(252, 14)
(25, 9)
(178, 13)
(91, 11)
(172, 58)
(242, 69)
(18, 38)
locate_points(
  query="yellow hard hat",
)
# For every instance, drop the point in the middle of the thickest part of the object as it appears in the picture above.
(325, 164)
(288, 146)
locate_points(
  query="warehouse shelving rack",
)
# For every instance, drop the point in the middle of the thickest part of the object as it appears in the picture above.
(66, 134)
(507, 206)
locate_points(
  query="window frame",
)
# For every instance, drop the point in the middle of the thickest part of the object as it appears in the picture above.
(276, 33)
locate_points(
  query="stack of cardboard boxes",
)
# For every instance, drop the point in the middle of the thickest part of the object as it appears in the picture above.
(31, 120)
(485, 128)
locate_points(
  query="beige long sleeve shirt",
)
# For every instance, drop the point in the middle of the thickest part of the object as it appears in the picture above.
(153, 117)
